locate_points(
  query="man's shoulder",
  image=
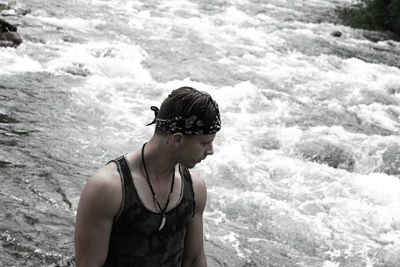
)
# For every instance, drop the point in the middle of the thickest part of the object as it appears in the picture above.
(200, 190)
(197, 179)
(106, 179)
(102, 194)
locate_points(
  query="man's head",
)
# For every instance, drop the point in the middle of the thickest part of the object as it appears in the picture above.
(188, 119)
(188, 111)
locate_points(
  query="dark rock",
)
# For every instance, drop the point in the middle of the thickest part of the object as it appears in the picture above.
(336, 33)
(391, 161)
(9, 35)
(377, 36)
(393, 91)
(24, 12)
(325, 152)
(7, 27)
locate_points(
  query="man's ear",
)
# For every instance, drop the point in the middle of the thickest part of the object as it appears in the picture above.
(177, 139)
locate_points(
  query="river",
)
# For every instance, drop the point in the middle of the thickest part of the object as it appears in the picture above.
(306, 167)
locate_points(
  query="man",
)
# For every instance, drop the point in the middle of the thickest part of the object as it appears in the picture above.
(145, 208)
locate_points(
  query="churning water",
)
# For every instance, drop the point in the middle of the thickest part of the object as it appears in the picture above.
(306, 168)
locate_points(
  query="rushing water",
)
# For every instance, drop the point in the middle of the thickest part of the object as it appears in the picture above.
(306, 168)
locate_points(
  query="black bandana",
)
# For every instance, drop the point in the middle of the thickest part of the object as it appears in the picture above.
(187, 126)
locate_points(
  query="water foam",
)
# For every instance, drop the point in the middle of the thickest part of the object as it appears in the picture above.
(16, 61)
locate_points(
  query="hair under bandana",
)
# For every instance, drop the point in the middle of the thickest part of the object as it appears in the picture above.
(191, 125)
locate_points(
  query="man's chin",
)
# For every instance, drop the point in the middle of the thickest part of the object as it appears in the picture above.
(190, 166)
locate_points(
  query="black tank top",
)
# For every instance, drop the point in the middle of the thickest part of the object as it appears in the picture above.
(135, 239)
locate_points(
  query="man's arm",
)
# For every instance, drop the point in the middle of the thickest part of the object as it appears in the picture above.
(100, 202)
(194, 255)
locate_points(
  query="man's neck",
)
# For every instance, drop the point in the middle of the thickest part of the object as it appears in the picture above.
(159, 159)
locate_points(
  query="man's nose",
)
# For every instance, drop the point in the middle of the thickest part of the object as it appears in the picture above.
(210, 150)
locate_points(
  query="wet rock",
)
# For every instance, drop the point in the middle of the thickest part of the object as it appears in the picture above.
(4, 118)
(9, 12)
(70, 39)
(336, 33)
(393, 91)
(4, 164)
(77, 69)
(391, 161)
(7, 27)
(375, 36)
(9, 35)
(23, 12)
(267, 142)
(11, 9)
(326, 152)
(10, 39)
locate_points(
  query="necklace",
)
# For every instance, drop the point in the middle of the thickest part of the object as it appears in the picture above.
(156, 203)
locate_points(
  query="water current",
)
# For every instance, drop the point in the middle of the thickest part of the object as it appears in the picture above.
(306, 167)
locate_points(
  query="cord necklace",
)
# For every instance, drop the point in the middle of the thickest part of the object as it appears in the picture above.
(156, 203)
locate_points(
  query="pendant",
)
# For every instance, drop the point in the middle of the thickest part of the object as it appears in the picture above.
(163, 219)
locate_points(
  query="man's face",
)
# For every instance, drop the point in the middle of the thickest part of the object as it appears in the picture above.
(195, 148)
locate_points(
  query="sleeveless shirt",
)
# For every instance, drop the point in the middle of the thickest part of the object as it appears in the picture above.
(135, 240)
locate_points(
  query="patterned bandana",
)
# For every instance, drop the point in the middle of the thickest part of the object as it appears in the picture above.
(187, 126)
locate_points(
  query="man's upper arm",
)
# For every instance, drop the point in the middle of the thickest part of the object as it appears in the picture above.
(100, 202)
(194, 248)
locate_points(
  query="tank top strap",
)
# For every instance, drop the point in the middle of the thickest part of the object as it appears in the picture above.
(188, 192)
(124, 170)
(126, 180)
(185, 173)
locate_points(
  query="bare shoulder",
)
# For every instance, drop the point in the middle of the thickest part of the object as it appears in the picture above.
(106, 180)
(200, 191)
(198, 181)
(103, 190)
(107, 176)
